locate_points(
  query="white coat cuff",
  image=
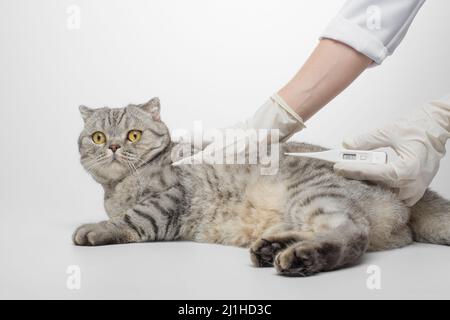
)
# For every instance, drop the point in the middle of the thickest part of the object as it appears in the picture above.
(361, 40)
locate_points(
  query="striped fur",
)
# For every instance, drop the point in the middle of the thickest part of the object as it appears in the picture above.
(303, 220)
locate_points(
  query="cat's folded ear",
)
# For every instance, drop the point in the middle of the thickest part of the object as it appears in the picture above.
(86, 112)
(152, 107)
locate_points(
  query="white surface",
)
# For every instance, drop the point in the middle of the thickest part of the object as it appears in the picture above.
(35, 267)
(210, 60)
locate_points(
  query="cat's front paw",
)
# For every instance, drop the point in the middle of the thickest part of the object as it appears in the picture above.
(305, 259)
(96, 234)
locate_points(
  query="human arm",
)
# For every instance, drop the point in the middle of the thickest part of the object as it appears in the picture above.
(331, 67)
(348, 46)
(364, 32)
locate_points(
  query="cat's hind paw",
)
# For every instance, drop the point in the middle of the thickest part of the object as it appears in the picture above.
(306, 259)
(263, 251)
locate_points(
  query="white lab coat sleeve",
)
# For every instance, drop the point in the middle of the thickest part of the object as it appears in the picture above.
(373, 27)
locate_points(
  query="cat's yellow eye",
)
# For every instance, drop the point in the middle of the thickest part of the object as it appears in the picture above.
(99, 137)
(134, 135)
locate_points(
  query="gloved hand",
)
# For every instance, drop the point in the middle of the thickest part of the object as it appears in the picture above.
(419, 142)
(273, 114)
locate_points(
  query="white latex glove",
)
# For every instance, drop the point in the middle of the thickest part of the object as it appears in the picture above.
(419, 142)
(273, 114)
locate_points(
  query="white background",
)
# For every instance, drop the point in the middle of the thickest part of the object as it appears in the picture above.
(209, 60)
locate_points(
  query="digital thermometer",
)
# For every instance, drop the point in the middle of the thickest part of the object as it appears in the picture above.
(342, 155)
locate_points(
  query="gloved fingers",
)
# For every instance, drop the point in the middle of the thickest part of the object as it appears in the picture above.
(412, 201)
(218, 152)
(410, 195)
(384, 173)
(187, 160)
(188, 137)
(407, 192)
(367, 141)
(197, 158)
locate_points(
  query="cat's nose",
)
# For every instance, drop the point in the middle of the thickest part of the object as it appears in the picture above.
(114, 147)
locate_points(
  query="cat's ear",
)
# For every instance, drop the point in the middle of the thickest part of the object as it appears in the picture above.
(153, 107)
(86, 112)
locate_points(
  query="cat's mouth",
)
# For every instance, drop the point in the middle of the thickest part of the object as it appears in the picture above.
(113, 160)
(117, 160)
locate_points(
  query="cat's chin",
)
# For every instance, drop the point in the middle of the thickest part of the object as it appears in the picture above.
(111, 172)
(114, 163)
(116, 170)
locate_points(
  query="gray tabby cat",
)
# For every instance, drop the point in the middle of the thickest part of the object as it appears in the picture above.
(303, 220)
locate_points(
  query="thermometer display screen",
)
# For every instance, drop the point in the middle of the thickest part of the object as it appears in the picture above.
(349, 156)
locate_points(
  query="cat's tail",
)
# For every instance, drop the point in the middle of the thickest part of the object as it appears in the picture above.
(430, 219)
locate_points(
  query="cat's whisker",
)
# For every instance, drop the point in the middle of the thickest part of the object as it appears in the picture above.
(95, 163)
(131, 156)
(93, 167)
(138, 178)
(96, 159)
(133, 172)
